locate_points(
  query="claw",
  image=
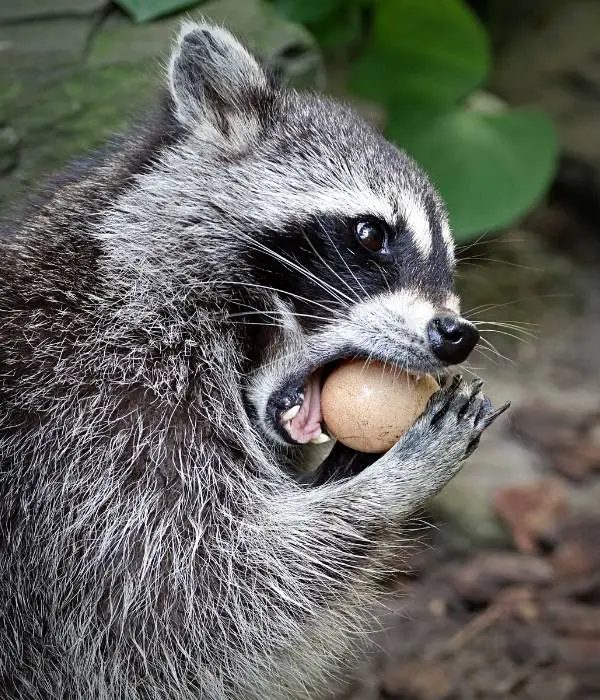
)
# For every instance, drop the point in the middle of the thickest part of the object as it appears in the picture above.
(468, 406)
(476, 386)
(457, 380)
(449, 391)
(464, 407)
(492, 417)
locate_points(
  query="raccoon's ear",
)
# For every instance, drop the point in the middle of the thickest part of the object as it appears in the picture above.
(216, 85)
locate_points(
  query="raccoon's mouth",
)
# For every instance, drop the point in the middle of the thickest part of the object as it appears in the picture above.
(295, 409)
(303, 422)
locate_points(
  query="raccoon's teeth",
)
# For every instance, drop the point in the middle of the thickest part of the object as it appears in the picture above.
(320, 439)
(290, 414)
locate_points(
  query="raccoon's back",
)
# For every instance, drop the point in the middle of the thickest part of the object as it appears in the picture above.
(51, 261)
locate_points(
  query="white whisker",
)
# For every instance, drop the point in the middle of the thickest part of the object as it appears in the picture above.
(294, 265)
(328, 266)
(341, 257)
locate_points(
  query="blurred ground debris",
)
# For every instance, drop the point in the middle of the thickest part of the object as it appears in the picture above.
(500, 624)
(531, 513)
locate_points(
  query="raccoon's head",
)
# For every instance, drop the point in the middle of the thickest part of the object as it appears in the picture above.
(335, 242)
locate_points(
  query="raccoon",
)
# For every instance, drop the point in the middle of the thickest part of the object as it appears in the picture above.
(169, 310)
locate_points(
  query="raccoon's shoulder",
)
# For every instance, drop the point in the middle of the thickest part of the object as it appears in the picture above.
(49, 257)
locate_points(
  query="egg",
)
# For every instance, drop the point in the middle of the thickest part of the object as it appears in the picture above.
(368, 406)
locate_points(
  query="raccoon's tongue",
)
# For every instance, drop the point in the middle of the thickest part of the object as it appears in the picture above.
(306, 425)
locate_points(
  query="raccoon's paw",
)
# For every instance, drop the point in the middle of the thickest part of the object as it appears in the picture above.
(452, 424)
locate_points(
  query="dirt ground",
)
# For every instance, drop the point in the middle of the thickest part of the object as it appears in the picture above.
(501, 624)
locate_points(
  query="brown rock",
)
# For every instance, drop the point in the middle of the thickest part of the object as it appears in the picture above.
(578, 462)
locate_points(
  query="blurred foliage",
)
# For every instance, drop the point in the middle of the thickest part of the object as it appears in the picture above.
(423, 61)
(145, 10)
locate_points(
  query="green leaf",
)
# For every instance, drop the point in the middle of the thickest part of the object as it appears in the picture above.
(308, 11)
(145, 10)
(341, 29)
(489, 168)
(425, 49)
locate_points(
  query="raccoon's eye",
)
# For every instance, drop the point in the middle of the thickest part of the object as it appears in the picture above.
(371, 236)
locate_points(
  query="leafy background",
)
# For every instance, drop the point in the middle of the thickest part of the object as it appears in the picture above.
(426, 64)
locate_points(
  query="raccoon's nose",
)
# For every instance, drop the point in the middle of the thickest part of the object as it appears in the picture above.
(451, 338)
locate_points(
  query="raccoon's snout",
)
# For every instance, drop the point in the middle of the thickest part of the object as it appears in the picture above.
(451, 338)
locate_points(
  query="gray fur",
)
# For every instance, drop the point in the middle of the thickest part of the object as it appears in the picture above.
(151, 544)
